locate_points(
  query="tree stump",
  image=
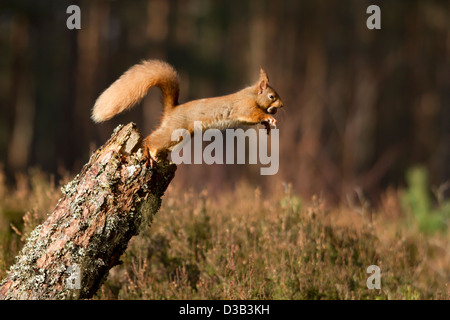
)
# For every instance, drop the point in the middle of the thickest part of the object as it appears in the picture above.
(71, 253)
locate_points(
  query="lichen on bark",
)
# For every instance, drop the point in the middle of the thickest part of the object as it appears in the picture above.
(100, 210)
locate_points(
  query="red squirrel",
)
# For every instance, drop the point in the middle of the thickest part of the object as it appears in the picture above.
(249, 106)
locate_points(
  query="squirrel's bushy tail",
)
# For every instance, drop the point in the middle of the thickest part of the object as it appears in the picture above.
(133, 85)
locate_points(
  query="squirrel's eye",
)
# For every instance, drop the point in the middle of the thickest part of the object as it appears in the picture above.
(270, 97)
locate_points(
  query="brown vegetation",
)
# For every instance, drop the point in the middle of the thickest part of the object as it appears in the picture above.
(247, 244)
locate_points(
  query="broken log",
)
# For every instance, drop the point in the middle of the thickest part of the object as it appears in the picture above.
(71, 253)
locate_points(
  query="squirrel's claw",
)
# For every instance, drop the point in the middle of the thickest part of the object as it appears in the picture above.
(148, 160)
(267, 125)
(146, 157)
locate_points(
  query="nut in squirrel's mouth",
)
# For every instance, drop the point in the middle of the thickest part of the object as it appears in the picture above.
(271, 110)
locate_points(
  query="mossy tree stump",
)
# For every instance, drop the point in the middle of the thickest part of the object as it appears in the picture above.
(71, 253)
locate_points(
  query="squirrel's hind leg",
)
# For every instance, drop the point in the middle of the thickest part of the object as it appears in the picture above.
(150, 152)
(158, 144)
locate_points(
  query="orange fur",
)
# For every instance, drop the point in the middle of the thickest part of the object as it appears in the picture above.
(248, 106)
(133, 85)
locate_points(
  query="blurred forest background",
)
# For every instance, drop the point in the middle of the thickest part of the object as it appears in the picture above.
(362, 106)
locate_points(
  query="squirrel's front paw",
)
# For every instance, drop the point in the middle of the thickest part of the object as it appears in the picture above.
(272, 122)
(269, 123)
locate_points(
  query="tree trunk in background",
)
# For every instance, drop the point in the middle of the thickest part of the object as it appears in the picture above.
(90, 67)
(22, 92)
(157, 33)
(70, 254)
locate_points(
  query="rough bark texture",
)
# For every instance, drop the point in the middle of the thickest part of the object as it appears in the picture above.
(101, 209)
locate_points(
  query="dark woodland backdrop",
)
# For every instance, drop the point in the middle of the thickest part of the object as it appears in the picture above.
(361, 106)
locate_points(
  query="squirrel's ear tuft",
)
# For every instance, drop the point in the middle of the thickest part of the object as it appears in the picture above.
(263, 75)
(263, 81)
